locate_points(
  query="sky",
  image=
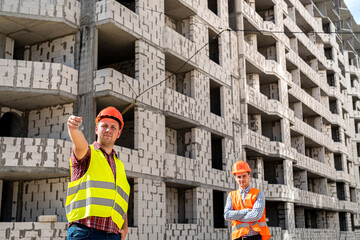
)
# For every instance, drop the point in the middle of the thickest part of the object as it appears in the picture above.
(354, 7)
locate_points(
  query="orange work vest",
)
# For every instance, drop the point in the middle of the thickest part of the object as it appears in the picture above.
(240, 229)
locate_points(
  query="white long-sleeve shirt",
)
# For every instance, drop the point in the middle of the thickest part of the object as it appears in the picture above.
(245, 215)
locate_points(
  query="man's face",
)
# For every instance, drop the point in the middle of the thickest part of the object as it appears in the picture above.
(108, 131)
(242, 179)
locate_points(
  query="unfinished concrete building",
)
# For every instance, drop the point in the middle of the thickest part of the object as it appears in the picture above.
(281, 90)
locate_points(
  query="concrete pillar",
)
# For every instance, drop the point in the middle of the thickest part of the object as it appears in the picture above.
(85, 104)
(6, 47)
(285, 130)
(347, 192)
(348, 222)
(331, 186)
(27, 54)
(298, 143)
(332, 220)
(288, 172)
(290, 217)
(294, 44)
(314, 64)
(295, 75)
(329, 159)
(292, 13)
(315, 93)
(300, 180)
(283, 92)
(253, 80)
(321, 219)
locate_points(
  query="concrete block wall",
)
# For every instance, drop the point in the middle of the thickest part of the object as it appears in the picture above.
(60, 50)
(33, 230)
(172, 208)
(44, 197)
(70, 10)
(50, 122)
(38, 75)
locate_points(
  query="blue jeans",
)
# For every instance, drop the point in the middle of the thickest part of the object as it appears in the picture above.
(79, 232)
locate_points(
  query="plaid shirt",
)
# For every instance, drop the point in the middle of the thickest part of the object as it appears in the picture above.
(79, 168)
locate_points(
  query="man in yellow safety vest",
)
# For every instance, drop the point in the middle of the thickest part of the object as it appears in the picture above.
(98, 194)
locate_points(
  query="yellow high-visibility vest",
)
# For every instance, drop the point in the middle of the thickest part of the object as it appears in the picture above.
(96, 193)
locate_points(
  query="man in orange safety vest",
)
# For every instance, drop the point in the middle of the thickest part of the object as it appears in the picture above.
(246, 207)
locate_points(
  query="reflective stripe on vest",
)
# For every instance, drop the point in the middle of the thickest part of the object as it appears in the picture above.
(97, 194)
(241, 225)
(97, 184)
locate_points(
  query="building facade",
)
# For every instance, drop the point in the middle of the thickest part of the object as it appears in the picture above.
(274, 82)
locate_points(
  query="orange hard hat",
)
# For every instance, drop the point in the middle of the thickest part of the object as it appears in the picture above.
(110, 112)
(240, 166)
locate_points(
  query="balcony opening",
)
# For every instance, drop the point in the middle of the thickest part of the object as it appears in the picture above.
(338, 162)
(214, 47)
(181, 82)
(215, 98)
(353, 194)
(253, 163)
(316, 153)
(178, 142)
(349, 167)
(268, 51)
(340, 189)
(358, 151)
(213, 6)
(300, 179)
(275, 212)
(11, 125)
(331, 80)
(354, 103)
(333, 107)
(180, 204)
(131, 206)
(130, 4)
(218, 209)
(217, 151)
(6, 201)
(326, 28)
(274, 172)
(342, 221)
(271, 129)
(177, 17)
(266, 10)
(117, 50)
(310, 218)
(232, 14)
(316, 184)
(335, 134)
(328, 53)
(270, 90)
